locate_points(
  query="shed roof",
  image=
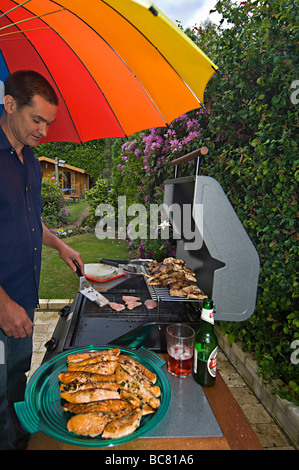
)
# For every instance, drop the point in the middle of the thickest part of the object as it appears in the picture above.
(69, 167)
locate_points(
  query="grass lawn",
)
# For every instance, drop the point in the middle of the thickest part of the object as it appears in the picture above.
(58, 281)
(76, 208)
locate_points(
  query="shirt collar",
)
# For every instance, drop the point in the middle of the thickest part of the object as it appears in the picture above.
(4, 142)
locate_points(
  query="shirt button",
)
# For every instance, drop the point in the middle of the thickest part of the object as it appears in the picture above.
(33, 229)
(35, 249)
(29, 209)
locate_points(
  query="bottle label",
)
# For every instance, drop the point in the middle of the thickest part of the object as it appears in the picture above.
(212, 363)
(208, 315)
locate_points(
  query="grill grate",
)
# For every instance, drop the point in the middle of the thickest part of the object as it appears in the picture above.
(161, 313)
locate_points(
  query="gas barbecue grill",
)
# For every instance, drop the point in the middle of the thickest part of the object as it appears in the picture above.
(216, 247)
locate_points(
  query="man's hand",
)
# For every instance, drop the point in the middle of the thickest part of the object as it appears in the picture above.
(14, 320)
(67, 253)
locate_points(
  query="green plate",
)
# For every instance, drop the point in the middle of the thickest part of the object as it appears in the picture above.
(42, 409)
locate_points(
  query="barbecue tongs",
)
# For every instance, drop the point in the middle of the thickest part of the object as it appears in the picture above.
(88, 291)
(129, 267)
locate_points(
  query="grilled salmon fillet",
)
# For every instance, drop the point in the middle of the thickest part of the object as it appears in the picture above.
(154, 389)
(76, 387)
(123, 426)
(92, 424)
(130, 397)
(104, 405)
(127, 382)
(105, 368)
(83, 356)
(86, 396)
(138, 367)
(92, 360)
(83, 377)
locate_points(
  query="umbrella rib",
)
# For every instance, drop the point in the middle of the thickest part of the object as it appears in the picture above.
(25, 31)
(14, 8)
(28, 19)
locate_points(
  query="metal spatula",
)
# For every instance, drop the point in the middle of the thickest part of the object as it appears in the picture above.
(87, 290)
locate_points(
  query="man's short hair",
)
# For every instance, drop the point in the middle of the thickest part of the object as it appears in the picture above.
(23, 85)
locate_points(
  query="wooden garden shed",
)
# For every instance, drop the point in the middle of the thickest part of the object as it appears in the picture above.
(74, 181)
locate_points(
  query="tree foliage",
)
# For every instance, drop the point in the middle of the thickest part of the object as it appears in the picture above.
(88, 156)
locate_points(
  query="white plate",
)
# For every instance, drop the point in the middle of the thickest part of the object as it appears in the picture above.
(101, 272)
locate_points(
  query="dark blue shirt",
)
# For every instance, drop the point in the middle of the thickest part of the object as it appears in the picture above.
(20, 224)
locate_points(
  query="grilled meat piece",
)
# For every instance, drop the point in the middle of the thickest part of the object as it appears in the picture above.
(150, 304)
(87, 396)
(83, 356)
(155, 390)
(77, 387)
(123, 426)
(103, 405)
(196, 296)
(117, 307)
(105, 368)
(84, 377)
(180, 262)
(177, 293)
(134, 401)
(92, 424)
(92, 360)
(127, 382)
(130, 298)
(138, 367)
(132, 305)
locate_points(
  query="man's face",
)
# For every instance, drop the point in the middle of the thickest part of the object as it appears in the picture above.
(31, 123)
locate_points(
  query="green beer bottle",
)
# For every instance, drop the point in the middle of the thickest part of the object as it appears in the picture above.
(205, 347)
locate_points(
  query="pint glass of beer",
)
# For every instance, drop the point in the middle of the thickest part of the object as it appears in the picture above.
(180, 344)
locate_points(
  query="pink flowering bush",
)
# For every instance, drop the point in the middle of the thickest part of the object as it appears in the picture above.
(145, 158)
(144, 164)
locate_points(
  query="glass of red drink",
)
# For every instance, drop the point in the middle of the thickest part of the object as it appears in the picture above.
(180, 345)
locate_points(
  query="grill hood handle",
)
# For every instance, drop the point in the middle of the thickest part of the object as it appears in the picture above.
(188, 158)
(111, 262)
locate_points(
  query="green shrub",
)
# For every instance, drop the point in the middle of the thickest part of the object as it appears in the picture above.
(54, 212)
(98, 194)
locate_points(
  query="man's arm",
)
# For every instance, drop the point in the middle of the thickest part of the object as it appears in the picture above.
(67, 253)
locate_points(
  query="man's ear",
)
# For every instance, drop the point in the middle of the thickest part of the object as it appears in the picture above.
(9, 104)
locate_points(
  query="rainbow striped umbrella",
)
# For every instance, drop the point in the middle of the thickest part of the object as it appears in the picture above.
(118, 66)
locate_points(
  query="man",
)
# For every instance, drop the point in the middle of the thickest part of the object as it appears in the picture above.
(30, 106)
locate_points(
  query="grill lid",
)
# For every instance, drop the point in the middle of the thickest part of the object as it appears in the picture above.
(215, 246)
